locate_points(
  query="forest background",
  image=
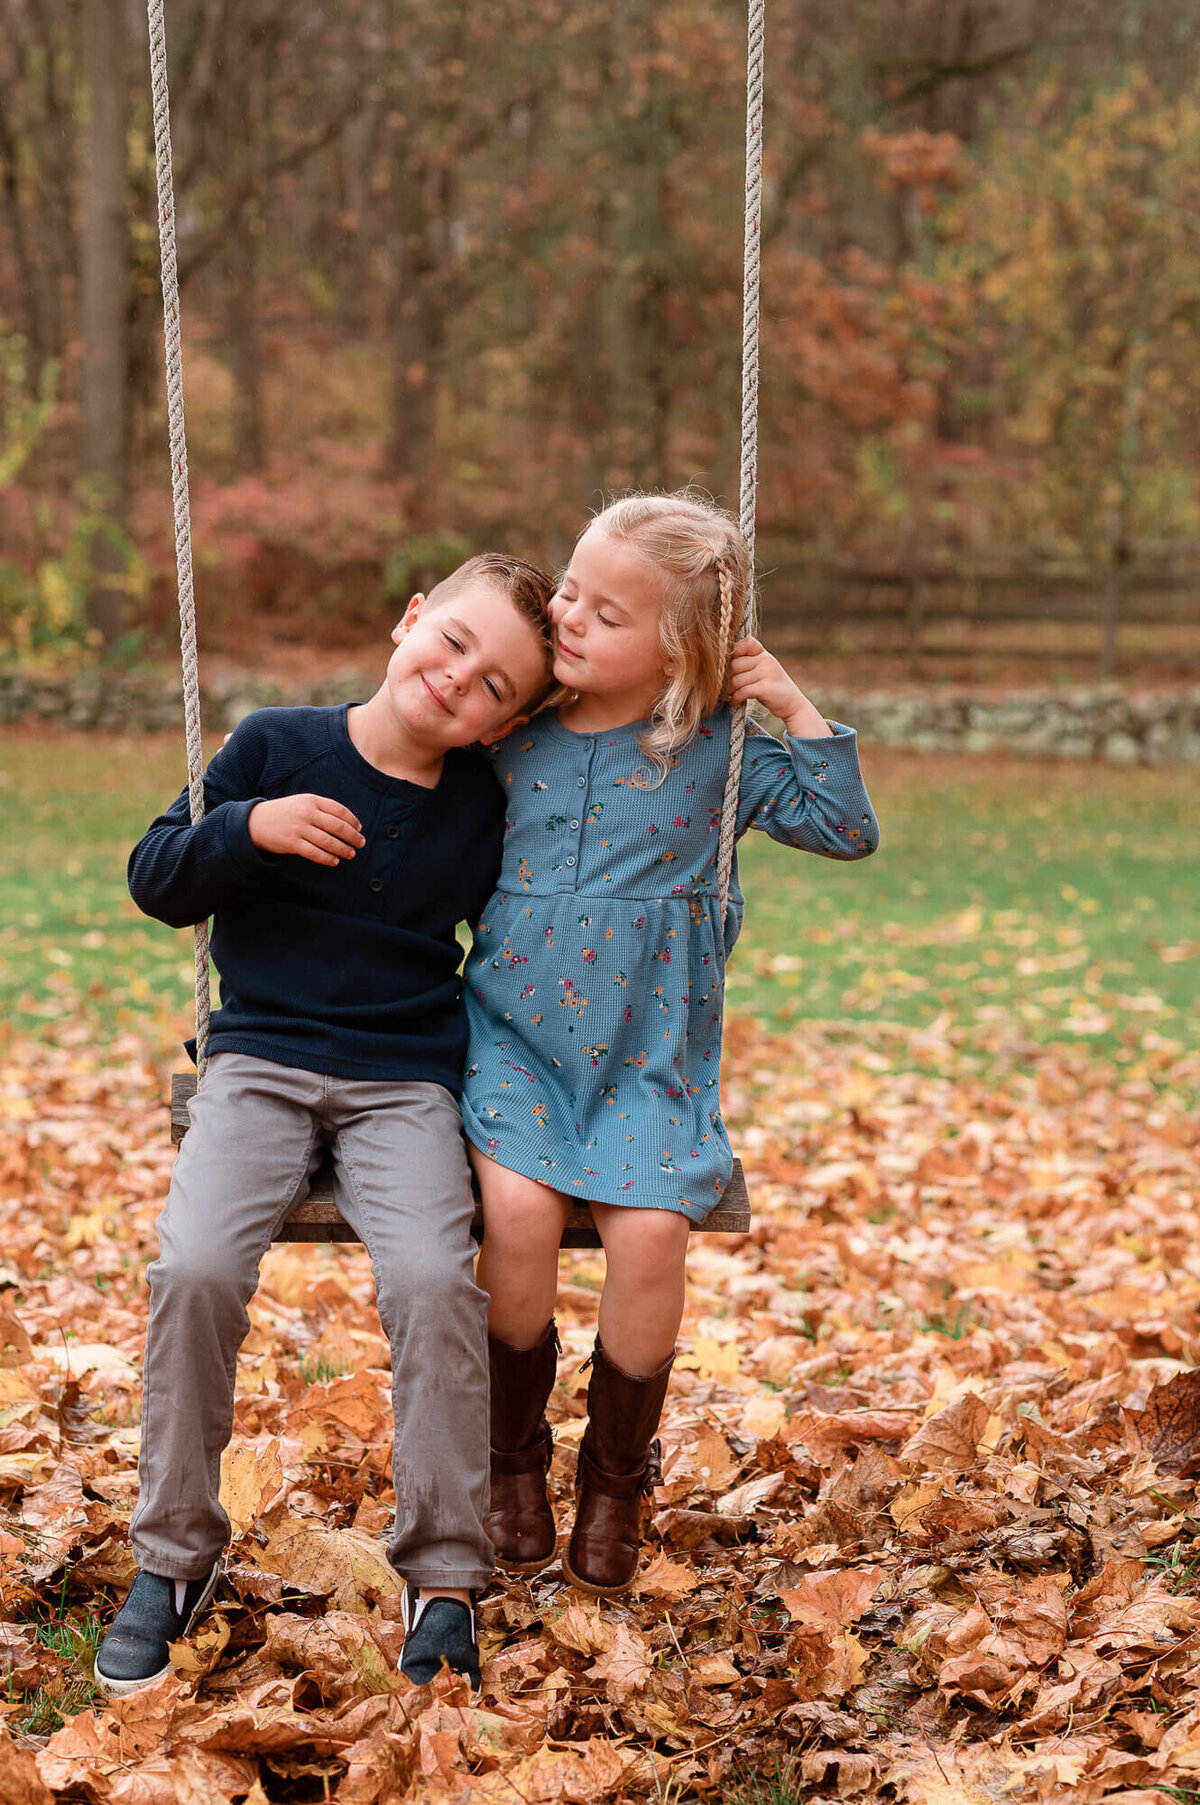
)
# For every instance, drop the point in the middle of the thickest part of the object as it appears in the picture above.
(450, 273)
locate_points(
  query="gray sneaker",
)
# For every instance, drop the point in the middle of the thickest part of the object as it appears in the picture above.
(156, 1611)
(438, 1633)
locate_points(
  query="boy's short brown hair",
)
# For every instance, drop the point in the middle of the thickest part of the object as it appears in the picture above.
(527, 588)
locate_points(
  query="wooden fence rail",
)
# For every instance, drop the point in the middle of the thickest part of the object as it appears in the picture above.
(810, 605)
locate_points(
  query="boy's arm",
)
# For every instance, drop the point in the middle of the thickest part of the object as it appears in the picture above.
(179, 873)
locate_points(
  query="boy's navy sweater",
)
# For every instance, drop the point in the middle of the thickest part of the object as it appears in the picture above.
(350, 970)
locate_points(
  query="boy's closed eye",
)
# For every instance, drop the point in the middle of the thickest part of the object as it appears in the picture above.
(489, 683)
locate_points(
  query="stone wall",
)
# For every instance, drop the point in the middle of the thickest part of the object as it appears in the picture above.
(1089, 723)
(1093, 723)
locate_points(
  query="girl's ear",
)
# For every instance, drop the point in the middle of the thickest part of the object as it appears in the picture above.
(500, 733)
(408, 618)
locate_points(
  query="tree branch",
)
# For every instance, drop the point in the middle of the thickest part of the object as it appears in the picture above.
(206, 245)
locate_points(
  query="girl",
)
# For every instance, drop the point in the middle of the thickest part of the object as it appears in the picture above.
(595, 985)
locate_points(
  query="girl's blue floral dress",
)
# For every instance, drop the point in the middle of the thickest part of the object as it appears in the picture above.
(595, 984)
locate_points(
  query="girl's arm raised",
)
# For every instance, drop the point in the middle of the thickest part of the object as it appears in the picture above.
(809, 792)
(756, 675)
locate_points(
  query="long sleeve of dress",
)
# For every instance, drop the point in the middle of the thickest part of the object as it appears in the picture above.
(808, 793)
(181, 874)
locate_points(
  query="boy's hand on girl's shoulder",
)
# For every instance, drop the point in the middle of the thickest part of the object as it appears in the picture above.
(311, 827)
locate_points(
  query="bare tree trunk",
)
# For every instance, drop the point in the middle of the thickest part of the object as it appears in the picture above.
(418, 332)
(104, 302)
(1120, 563)
(241, 333)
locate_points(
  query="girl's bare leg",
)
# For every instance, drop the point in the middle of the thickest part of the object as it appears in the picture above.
(642, 1305)
(518, 1264)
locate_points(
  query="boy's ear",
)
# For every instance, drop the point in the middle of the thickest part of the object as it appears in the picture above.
(408, 618)
(501, 733)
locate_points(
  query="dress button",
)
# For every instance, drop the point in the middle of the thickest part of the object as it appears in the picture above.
(574, 824)
(582, 782)
(376, 885)
(570, 858)
(393, 833)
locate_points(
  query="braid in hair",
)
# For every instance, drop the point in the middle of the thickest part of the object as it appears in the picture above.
(728, 626)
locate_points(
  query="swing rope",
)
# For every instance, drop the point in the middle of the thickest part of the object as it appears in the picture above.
(179, 479)
(748, 486)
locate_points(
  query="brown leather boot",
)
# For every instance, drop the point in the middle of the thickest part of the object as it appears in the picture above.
(618, 1465)
(520, 1522)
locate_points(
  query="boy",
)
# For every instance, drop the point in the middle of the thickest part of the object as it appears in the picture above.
(340, 849)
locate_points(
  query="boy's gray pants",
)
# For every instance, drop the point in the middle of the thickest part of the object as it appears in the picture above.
(258, 1130)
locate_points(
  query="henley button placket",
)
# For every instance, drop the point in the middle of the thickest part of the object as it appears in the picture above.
(571, 860)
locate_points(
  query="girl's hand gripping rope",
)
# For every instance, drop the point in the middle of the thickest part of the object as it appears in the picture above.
(756, 676)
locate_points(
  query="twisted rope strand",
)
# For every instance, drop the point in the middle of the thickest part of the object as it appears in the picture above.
(748, 489)
(179, 477)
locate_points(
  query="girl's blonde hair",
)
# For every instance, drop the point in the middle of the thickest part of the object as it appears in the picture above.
(704, 568)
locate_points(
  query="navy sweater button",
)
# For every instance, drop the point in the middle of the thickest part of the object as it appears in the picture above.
(376, 885)
(393, 833)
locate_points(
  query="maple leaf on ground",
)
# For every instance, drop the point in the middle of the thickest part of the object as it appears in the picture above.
(1085, 1679)
(664, 1578)
(21, 1659)
(847, 1773)
(1168, 1428)
(1106, 1593)
(584, 1774)
(626, 1665)
(950, 1437)
(833, 1600)
(825, 1434)
(343, 1652)
(689, 1528)
(15, 1346)
(20, 1781)
(251, 1479)
(197, 1656)
(582, 1630)
(342, 1565)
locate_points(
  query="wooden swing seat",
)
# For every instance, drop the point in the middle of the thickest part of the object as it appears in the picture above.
(317, 1218)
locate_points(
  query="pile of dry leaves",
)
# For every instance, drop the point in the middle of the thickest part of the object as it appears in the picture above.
(926, 1527)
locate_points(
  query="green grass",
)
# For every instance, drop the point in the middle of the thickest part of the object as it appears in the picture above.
(72, 945)
(1057, 897)
(779, 1784)
(1059, 900)
(67, 1692)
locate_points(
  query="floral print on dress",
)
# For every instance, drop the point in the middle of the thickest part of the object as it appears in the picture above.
(607, 903)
